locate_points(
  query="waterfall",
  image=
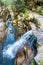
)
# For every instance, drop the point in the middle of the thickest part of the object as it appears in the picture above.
(10, 51)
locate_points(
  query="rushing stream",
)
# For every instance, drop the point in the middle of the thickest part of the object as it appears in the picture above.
(11, 46)
(10, 50)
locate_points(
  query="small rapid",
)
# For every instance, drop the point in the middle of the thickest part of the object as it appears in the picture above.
(10, 51)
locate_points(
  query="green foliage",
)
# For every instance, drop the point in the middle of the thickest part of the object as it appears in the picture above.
(21, 14)
(1, 2)
(39, 12)
(20, 64)
(8, 2)
(32, 62)
(26, 12)
(19, 5)
(41, 61)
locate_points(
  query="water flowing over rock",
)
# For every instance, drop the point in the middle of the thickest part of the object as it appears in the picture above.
(10, 50)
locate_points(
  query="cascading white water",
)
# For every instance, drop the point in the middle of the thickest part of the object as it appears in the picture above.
(10, 50)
